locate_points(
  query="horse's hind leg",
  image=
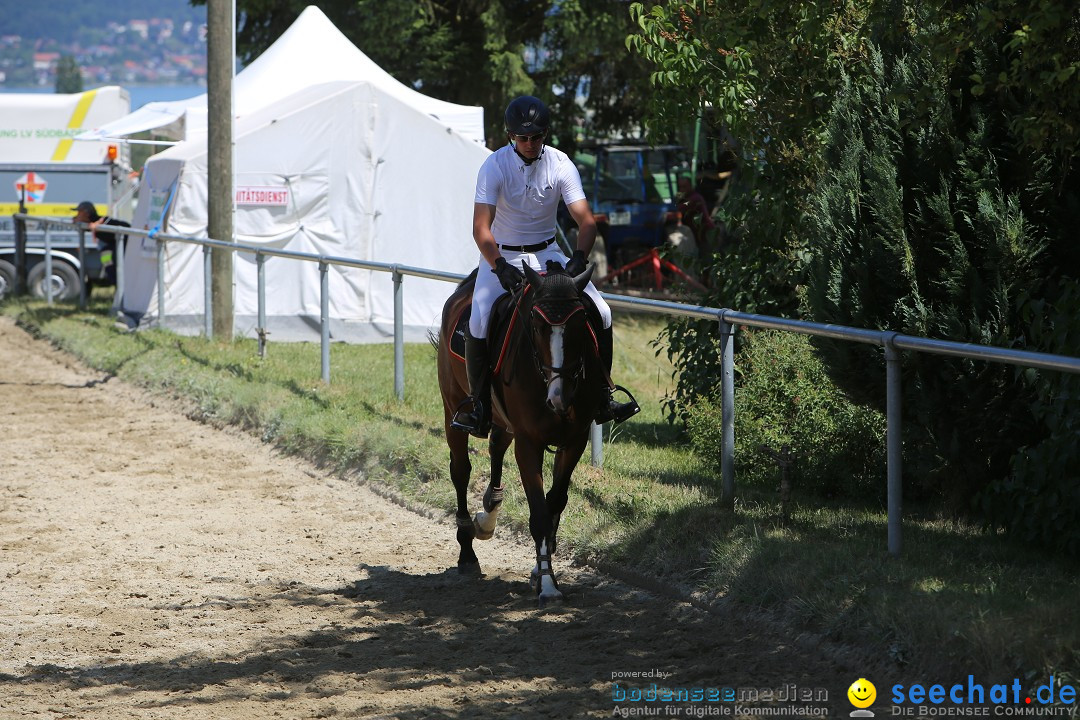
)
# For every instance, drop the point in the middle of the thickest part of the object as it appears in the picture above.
(460, 470)
(485, 519)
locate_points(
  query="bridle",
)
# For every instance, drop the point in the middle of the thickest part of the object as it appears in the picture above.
(554, 312)
(554, 316)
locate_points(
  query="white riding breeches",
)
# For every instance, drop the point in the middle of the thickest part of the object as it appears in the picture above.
(488, 289)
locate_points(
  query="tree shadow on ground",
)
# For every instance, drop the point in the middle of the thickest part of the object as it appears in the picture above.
(468, 646)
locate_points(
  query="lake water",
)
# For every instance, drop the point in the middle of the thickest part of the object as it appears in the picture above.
(140, 94)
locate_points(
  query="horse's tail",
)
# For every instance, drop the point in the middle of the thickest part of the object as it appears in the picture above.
(433, 338)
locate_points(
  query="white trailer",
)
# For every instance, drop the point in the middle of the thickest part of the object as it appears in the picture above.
(45, 171)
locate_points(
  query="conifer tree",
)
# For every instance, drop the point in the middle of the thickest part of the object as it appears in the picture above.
(68, 75)
(917, 228)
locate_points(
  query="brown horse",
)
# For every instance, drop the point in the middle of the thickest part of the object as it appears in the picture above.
(546, 389)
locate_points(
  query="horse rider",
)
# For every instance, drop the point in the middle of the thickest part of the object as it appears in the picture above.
(518, 190)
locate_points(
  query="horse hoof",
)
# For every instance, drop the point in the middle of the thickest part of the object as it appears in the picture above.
(480, 522)
(555, 598)
(469, 568)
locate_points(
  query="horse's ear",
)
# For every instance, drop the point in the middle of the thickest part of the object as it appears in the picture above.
(531, 275)
(583, 279)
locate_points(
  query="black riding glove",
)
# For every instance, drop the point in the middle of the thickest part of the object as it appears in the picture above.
(509, 276)
(576, 266)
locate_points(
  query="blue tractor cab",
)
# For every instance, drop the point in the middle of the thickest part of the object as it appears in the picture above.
(631, 189)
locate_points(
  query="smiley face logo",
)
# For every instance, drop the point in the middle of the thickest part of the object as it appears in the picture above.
(862, 693)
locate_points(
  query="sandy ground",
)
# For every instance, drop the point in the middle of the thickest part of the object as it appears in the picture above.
(155, 567)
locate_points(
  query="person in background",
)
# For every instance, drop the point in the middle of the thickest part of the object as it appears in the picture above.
(86, 212)
(695, 214)
(517, 197)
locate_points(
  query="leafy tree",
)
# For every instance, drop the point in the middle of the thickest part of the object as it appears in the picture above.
(583, 52)
(68, 75)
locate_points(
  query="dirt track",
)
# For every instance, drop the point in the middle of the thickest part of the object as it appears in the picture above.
(154, 567)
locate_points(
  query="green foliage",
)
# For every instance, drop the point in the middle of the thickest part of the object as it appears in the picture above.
(583, 48)
(766, 69)
(921, 227)
(1039, 501)
(758, 270)
(68, 75)
(785, 401)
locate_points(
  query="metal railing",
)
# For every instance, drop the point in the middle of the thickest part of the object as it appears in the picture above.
(890, 341)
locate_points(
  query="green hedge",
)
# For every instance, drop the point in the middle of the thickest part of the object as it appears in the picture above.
(784, 398)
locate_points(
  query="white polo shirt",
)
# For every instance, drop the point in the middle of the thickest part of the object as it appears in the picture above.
(526, 197)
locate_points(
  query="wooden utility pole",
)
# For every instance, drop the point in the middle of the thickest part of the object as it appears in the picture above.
(220, 68)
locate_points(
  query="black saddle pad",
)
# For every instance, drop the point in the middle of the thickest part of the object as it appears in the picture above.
(501, 313)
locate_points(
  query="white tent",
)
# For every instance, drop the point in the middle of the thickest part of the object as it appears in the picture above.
(312, 48)
(340, 169)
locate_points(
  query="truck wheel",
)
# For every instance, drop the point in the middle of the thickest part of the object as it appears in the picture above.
(7, 279)
(65, 281)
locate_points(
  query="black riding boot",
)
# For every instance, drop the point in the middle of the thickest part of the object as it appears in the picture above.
(477, 420)
(611, 409)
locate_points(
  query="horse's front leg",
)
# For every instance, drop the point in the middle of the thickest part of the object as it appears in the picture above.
(486, 519)
(530, 456)
(460, 470)
(566, 459)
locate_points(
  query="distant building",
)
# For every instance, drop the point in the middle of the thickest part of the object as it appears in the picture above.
(46, 61)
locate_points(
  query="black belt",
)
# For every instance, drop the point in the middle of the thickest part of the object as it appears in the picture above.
(528, 248)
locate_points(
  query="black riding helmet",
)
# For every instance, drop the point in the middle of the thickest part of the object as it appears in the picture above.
(526, 115)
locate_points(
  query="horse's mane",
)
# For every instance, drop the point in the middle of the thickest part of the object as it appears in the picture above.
(471, 277)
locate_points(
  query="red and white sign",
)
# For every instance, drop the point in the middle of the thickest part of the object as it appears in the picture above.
(262, 195)
(35, 187)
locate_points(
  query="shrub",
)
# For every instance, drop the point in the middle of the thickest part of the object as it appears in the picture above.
(784, 398)
(1039, 501)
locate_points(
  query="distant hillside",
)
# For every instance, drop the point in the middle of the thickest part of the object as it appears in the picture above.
(66, 21)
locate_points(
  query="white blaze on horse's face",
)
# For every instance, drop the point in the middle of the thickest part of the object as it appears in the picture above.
(555, 397)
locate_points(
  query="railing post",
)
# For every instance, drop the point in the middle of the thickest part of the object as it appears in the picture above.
(48, 264)
(208, 273)
(399, 339)
(120, 243)
(160, 282)
(596, 443)
(727, 412)
(83, 275)
(894, 446)
(260, 263)
(22, 282)
(324, 317)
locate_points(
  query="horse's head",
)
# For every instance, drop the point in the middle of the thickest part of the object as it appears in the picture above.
(559, 334)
